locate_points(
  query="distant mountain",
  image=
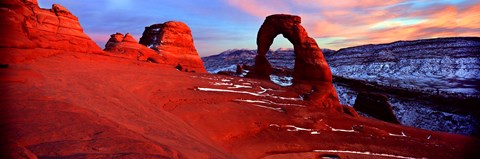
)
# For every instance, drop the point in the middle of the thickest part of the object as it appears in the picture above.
(227, 60)
(448, 65)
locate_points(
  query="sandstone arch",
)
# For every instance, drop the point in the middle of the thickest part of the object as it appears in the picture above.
(310, 65)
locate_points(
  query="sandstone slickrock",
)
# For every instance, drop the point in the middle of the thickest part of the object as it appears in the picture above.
(29, 32)
(127, 47)
(174, 41)
(100, 112)
(310, 65)
(36, 123)
(375, 105)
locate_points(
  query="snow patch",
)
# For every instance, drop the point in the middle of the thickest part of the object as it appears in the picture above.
(271, 108)
(240, 86)
(259, 94)
(267, 102)
(222, 84)
(281, 80)
(366, 153)
(229, 68)
(315, 132)
(428, 75)
(295, 128)
(273, 90)
(340, 130)
(399, 135)
(346, 95)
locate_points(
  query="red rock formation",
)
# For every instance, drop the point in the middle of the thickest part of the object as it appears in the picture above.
(350, 111)
(92, 106)
(239, 69)
(29, 32)
(127, 47)
(322, 96)
(311, 73)
(375, 105)
(310, 65)
(174, 41)
(262, 68)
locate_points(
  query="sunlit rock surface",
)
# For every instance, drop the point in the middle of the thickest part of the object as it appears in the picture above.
(174, 42)
(88, 104)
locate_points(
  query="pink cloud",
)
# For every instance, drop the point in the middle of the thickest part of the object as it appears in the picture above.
(348, 4)
(260, 9)
(352, 20)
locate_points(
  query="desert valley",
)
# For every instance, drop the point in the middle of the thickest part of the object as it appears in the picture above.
(63, 96)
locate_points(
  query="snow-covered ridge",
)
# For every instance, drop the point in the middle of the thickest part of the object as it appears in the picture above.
(444, 65)
(282, 57)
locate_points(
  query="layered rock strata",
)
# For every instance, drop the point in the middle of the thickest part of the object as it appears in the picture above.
(174, 42)
(127, 47)
(449, 66)
(29, 32)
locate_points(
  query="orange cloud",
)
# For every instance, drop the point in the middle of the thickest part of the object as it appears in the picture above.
(356, 22)
(447, 21)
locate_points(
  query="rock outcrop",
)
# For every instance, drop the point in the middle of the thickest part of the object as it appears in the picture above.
(239, 69)
(29, 32)
(375, 105)
(311, 74)
(174, 42)
(127, 47)
(310, 65)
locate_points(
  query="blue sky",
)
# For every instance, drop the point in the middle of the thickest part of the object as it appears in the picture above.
(218, 25)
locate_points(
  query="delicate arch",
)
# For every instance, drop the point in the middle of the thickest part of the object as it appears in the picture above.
(310, 64)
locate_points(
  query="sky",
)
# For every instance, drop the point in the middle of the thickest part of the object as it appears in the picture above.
(219, 25)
